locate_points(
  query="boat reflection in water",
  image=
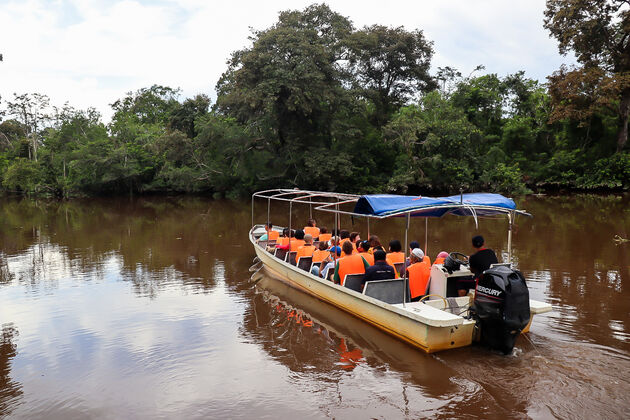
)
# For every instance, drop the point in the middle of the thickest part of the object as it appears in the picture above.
(306, 334)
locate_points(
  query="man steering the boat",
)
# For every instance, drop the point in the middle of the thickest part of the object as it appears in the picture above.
(479, 262)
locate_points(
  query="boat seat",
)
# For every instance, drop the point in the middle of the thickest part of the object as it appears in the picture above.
(291, 257)
(305, 263)
(281, 253)
(354, 282)
(316, 244)
(389, 291)
(398, 267)
(262, 244)
(271, 242)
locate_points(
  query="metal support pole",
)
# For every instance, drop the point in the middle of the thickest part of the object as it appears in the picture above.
(290, 209)
(405, 280)
(252, 211)
(310, 209)
(368, 233)
(426, 236)
(268, 211)
(510, 216)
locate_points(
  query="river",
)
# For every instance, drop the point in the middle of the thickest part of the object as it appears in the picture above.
(144, 308)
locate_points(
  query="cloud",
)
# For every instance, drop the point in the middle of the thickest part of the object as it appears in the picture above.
(91, 52)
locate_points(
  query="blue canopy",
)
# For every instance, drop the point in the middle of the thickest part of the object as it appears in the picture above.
(481, 204)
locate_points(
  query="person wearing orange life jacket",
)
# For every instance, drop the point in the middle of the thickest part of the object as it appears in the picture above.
(311, 228)
(324, 236)
(395, 254)
(355, 238)
(344, 235)
(268, 228)
(307, 249)
(362, 248)
(419, 273)
(441, 257)
(298, 241)
(283, 242)
(350, 264)
(321, 253)
(412, 245)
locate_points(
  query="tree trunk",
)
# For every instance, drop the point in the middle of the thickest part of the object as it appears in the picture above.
(622, 132)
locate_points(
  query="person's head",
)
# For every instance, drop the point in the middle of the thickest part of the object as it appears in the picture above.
(416, 255)
(442, 254)
(374, 241)
(299, 234)
(395, 246)
(308, 238)
(363, 246)
(336, 250)
(292, 233)
(334, 240)
(323, 229)
(477, 241)
(413, 245)
(311, 223)
(268, 227)
(379, 255)
(354, 237)
(285, 232)
(347, 247)
(323, 246)
(344, 234)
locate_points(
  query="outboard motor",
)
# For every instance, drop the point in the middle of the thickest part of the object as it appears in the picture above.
(501, 307)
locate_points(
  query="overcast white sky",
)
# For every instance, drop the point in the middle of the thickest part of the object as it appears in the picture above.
(91, 52)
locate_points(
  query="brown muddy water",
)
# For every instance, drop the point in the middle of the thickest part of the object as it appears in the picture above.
(144, 308)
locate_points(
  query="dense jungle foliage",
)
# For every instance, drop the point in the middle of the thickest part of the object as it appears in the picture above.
(316, 103)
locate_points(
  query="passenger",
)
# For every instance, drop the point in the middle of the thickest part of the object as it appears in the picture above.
(321, 253)
(283, 243)
(344, 235)
(395, 256)
(298, 241)
(362, 248)
(419, 273)
(350, 264)
(329, 262)
(441, 257)
(374, 244)
(380, 270)
(307, 249)
(311, 228)
(412, 245)
(324, 236)
(265, 236)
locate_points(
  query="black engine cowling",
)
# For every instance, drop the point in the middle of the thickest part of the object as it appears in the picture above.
(501, 307)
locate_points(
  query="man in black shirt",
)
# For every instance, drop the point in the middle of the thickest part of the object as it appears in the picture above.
(380, 270)
(481, 260)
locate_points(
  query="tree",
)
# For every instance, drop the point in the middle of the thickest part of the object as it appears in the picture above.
(598, 32)
(390, 66)
(31, 109)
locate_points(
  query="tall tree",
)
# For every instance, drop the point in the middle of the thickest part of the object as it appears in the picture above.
(390, 66)
(31, 109)
(598, 32)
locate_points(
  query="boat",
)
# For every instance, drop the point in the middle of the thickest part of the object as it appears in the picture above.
(441, 320)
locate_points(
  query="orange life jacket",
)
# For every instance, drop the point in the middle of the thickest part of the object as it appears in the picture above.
(368, 257)
(325, 237)
(304, 251)
(296, 243)
(439, 261)
(311, 230)
(283, 241)
(419, 274)
(273, 235)
(319, 256)
(395, 258)
(352, 264)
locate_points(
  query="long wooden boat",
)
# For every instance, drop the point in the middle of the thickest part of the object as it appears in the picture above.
(429, 325)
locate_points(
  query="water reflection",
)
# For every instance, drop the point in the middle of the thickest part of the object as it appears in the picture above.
(10, 391)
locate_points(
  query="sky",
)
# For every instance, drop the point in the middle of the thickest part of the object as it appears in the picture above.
(90, 53)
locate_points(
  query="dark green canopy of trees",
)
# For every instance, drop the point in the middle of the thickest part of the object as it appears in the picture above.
(316, 103)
